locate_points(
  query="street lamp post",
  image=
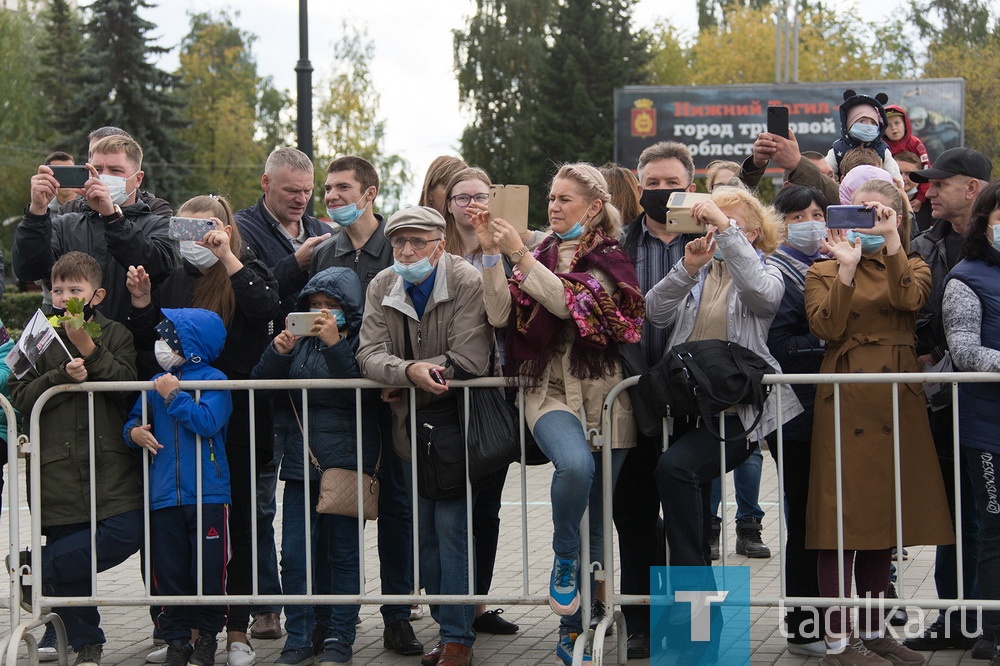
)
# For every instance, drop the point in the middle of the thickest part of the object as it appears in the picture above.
(303, 72)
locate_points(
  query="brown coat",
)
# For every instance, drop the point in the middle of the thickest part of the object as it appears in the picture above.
(870, 327)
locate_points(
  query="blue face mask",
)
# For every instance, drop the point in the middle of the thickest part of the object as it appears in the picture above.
(718, 255)
(865, 133)
(806, 236)
(869, 242)
(414, 272)
(345, 216)
(996, 236)
(337, 314)
(572, 233)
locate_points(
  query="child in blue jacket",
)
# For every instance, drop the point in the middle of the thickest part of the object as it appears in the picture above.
(190, 339)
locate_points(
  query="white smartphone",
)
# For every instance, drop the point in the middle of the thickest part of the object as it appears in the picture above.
(301, 323)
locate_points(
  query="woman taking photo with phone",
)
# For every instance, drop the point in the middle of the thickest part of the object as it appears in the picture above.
(863, 302)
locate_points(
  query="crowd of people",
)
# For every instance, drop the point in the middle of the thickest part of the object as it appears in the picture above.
(444, 290)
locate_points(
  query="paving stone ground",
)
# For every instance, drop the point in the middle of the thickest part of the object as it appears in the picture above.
(128, 628)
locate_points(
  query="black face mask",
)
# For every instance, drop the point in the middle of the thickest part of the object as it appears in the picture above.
(654, 203)
(88, 311)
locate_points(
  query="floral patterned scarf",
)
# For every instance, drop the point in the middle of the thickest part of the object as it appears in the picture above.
(599, 319)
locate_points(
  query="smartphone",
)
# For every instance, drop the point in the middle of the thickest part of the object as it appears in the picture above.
(436, 375)
(189, 228)
(850, 217)
(679, 220)
(301, 323)
(70, 175)
(777, 121)
(510, 202)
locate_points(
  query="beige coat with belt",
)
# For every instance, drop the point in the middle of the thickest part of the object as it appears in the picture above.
(454, 323)
(870, 327)
(558, 389)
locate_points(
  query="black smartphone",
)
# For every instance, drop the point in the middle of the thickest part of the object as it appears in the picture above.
(777, 121)
(850, 217)
(70, 175)
(437, 376)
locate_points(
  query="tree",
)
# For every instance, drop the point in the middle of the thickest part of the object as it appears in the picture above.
(219, 76)
(668, 63)
(594, 50)
(59, 61)
(275, 124)
(347, 119)
(119, 86)
(498, 59)
(966, 22)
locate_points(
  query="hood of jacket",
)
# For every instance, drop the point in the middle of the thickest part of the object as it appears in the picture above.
(907, 129)
(201, 333)
(852, 99)
(341, 284)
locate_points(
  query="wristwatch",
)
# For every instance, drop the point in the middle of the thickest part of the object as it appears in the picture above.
(517, 255)
(114, 217)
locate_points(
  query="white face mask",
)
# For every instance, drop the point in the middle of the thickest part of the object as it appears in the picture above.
(116, 188)
(198, 255)
(165, 356)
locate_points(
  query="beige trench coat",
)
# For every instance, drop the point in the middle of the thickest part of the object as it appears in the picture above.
(558, 389)
(870, 328)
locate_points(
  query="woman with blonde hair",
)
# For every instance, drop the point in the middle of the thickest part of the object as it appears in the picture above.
(567, 306)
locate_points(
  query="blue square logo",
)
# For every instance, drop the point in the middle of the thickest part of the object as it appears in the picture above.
(700, 615)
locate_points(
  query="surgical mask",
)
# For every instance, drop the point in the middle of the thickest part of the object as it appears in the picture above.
(718, 255)
(806, 236)
(414, 272)
(996, 235)
(116, 188)
(165, 356)
(654, 203)
(869, 242)
(572, 233)
(337, 314)
(345, 215)
(865, 133)
(198, 256)
(88, 311)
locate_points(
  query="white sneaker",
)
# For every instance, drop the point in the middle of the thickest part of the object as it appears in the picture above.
(416, 612)
(241, 654)
(48, 654)
(812, 649)
(157, 656)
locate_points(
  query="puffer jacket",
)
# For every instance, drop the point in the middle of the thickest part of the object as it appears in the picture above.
(332, 413)
(173, 470)
(754, 300)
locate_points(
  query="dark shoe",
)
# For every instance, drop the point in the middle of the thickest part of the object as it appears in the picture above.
(896, 615)
(455, 654)
(597, 613)
(178, 653)
(89, 655)
(983, 649)
(638, 645)
(995, 659)
(266, 626)
(398, 637)
(716, 535)
(431, 658)
(204, 651)
(939, 636)
(336, 651)
(748, 539)
(295, 656)
(490, 622)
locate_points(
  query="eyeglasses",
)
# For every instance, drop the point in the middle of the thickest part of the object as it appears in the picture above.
(418, 244)
(464, 200)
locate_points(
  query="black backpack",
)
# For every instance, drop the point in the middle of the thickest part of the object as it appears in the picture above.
(705, 377)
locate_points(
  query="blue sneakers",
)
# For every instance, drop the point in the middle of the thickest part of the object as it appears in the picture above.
(564, 649)
(564, 598)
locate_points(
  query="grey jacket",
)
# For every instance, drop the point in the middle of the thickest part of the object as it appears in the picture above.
(753, 302)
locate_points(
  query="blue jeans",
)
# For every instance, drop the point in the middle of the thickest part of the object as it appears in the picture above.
(444, 563)
(267, 509)
(339, 538)
(746, 478)
(66, 561)
(395, 525)
(576, 484)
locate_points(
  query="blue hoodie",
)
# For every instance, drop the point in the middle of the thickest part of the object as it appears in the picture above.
(172, 471)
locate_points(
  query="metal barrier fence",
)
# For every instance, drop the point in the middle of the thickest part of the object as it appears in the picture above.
(33, 574)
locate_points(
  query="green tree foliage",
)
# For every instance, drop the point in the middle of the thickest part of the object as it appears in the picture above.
(275, 124)
(219, 75)
(347, 120)
(59, 61)
(498, 57)
(964, 22)
(119, 86)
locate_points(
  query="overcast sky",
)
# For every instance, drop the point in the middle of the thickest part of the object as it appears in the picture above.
(413, 68)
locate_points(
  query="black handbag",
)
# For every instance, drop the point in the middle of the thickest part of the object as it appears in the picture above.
(634, 364)
(440, 450)
(706, 377)
(493, 428)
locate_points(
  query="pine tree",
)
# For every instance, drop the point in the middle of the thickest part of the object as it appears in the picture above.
(119, 86)
(59, 62)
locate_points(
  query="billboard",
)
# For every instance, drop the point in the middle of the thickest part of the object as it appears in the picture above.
(722, 122)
